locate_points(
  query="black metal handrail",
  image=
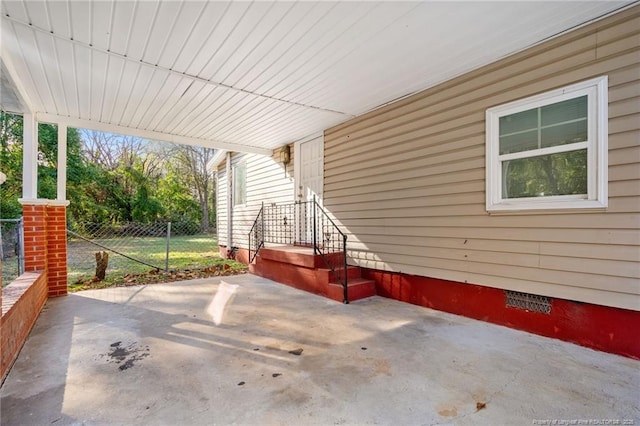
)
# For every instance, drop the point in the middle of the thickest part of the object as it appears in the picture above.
(303, 223)
(257, 234)
(331, 244)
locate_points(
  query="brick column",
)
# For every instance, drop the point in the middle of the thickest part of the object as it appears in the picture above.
(45, 242)
(57, 249)
(35, 237)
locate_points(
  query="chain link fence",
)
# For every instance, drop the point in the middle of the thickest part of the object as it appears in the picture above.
(135, 248)
(11, 249)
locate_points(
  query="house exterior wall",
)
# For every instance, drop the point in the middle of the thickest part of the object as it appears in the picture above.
(267, 181)
(407, 181)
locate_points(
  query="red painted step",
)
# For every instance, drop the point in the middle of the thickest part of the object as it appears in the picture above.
(300, 268)
(358, 288)
(326, 275)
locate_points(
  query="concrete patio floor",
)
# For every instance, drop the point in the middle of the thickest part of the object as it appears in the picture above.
(154, 355)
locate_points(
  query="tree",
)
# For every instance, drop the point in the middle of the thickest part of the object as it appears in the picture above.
(11, 164)
(128, 174)
(190, 162)
(179, 205)
(110, 151)
(11, 149)
(111, 178)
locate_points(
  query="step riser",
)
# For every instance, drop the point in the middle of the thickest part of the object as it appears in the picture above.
(292, 275)
(295, 257)
(302, 271)
(356, 292)
(353, 272)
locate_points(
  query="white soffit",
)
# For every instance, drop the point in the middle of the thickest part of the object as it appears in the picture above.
(254, 76)
(9, 98)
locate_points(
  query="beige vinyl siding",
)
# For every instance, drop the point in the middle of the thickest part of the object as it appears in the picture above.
(267, 182)
(407, 181)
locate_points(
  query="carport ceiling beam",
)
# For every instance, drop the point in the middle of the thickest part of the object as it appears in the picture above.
(149, 134)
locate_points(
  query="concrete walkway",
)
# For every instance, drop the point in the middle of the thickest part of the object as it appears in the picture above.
(259, 353)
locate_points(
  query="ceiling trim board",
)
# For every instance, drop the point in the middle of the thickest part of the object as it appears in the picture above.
(148, 134)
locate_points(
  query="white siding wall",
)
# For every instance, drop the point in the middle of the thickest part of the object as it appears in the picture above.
(407, 181)
(221, 205)
(267, 182)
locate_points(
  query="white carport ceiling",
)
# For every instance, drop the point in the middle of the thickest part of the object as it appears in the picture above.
(251, 76)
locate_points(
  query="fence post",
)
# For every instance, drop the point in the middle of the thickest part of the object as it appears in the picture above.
(166, 260)
(20, 246)
(1, 244)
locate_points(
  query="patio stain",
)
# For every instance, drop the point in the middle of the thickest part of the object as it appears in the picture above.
(382, 367)
(120, 353)
(447, 411)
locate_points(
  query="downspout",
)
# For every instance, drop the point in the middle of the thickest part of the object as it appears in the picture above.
(229, 205)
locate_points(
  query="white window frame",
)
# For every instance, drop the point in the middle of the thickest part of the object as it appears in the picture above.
(597, 146)
(235, 185)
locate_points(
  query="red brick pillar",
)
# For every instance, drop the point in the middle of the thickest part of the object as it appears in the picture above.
(57, 249)
(35, 237)
(45, 242)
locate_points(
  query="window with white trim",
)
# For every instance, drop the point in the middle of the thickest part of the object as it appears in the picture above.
(240, 184)
(549, 151)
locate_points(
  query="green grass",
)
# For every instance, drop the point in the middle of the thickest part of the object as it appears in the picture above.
(193, 252)
(10, 270)
(187, 253)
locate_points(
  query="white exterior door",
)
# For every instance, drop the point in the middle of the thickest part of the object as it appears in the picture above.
(310, 173)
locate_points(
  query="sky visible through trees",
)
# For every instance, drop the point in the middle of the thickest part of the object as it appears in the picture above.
(112, 178)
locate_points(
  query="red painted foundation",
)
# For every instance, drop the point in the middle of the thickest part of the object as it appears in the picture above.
(603, 328)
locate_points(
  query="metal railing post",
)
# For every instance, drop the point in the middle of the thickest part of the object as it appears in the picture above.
(345, 288)
(315, 230)
(256, 233)
(166, 260)
(262, 230)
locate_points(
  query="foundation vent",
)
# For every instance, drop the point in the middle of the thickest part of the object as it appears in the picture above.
(530, 302)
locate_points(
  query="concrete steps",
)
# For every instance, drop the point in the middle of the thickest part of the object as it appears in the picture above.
(300, 268)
